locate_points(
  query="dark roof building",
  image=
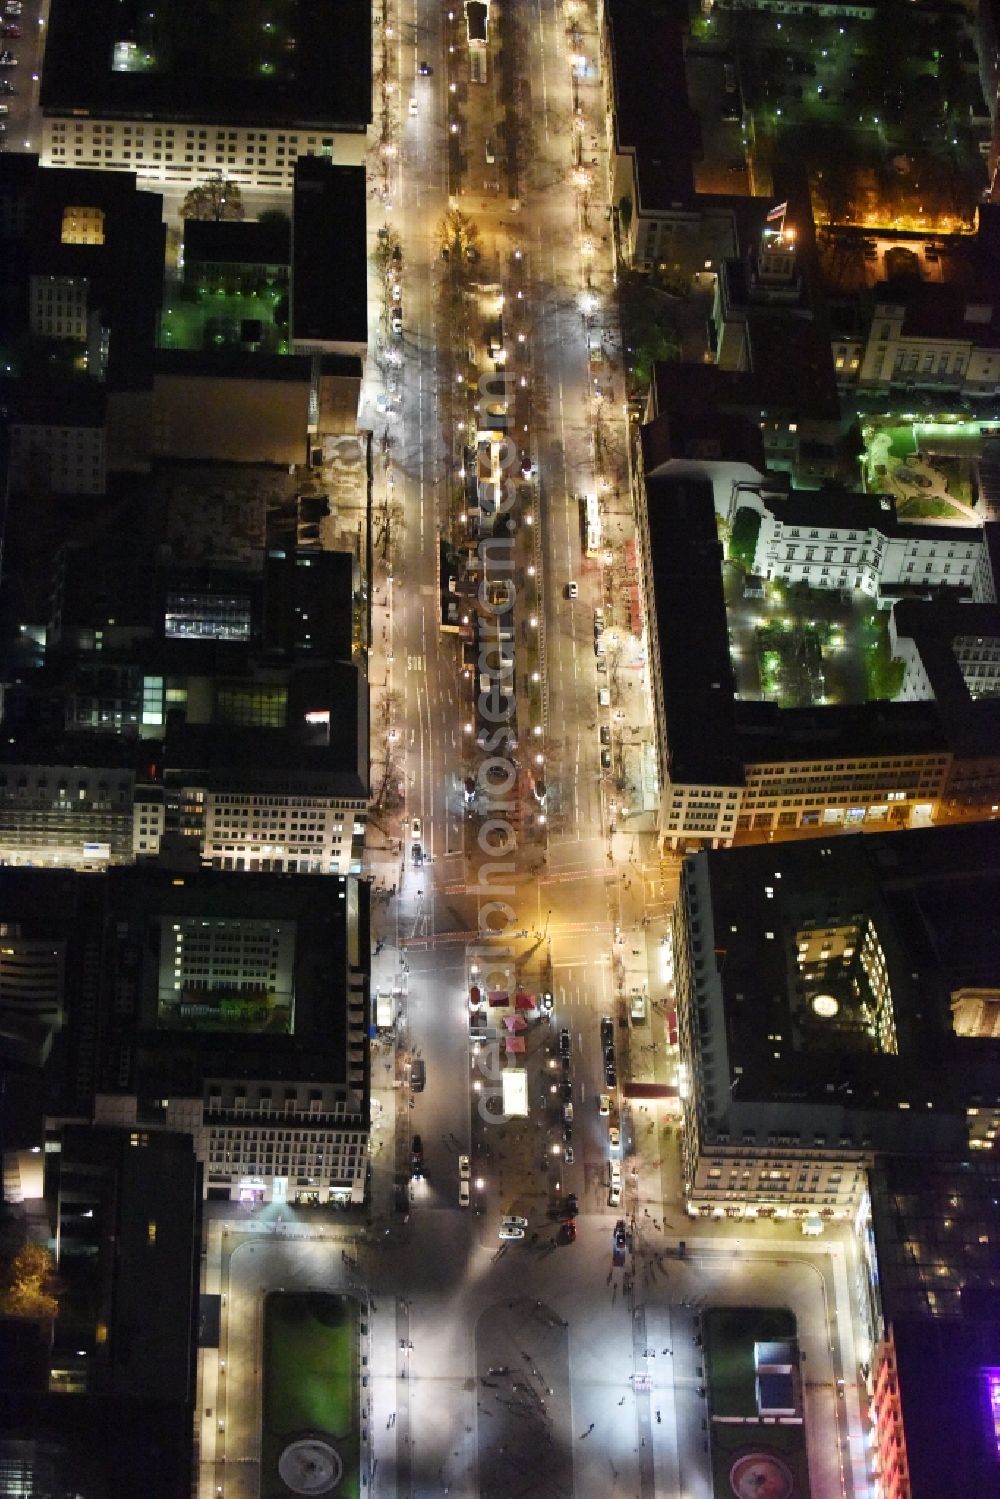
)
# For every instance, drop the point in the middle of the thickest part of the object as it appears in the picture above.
(329, 312)
(305, 63)
(815, 984)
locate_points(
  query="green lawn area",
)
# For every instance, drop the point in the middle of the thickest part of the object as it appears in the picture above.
(311, 1381)
(915, 508)
(730, 1333)
(729, 1337)
(901, 442)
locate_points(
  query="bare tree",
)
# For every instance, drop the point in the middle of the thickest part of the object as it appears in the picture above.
(218, 198)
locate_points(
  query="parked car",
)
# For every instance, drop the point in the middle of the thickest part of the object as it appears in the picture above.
(415, 828)
(603, 1105)
(567, 1232)
(416, 1156)
(605, 733)
(424, 69)
(565, 1090)
(564, 1042)
(610, 1074)
(463, 1194)
(571, 589)
(418, 1075)
(614, 1138)
(514, 1220)
(510, 1234)
(464, 1168)
(604, 697)
(569, 1155)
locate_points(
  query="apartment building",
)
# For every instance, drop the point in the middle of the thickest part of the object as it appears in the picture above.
(242, 102)
(811, 1039)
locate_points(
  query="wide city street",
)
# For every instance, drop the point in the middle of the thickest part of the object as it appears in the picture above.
(538, 1366)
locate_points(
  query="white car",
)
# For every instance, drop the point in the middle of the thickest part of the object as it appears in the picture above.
(511, 1220)
(571, 589)
(569, 1155)
(615, 1173)
(415, 828)
(464, 1168)
(615, 1196)
(510, 1234)
(604, 1105)
(413, 106)
(614, 1138)
(463, 1193)
(604, 697)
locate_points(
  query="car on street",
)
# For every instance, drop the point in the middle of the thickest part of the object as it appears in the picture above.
(418, 853)
(397, 321)
(569, 1155)
(571, 1205)
(615, 1195)
(607, 1031)
(415, 828)
(8, 60)
(567, 1232)
(566, 1062)
(567, 1134)
(424, 69)
(567, 1113)
(464, 1168)
(416, 1156)
(418, 1075)
(571, 589)
(605, 759)
(619, 1242)
(603, 697)
(603, 1105)
(510, 1234)
(413, 106)
(564, 1042)
(463, 1194)
(512, 1220)
(614, 1138)
(605, 733)
(610, 1074)
(565, 1090)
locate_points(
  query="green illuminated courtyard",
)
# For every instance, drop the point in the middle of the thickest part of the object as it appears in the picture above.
(203, 318)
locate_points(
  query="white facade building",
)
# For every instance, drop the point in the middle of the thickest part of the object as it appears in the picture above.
(827, 553)
(166, 153)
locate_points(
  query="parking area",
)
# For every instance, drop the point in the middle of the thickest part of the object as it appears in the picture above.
(22, 28)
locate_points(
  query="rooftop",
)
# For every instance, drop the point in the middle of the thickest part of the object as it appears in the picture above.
(246, 62)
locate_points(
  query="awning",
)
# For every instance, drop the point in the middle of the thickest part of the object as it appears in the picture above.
(524, 1001)
(474, 995)
(514, 1043)
(499, 997)
(515, 1022)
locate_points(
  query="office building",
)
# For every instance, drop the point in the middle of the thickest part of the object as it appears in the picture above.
(227, 1008)
(179, 94)
(815, 983)
(779, 704)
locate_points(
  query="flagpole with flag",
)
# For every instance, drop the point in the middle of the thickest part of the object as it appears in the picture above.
(776, 215)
